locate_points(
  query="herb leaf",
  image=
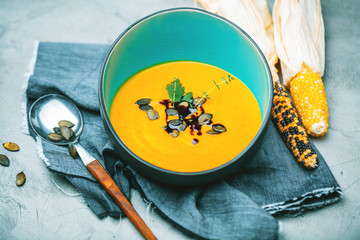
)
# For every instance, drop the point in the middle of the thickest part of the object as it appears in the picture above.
(175, 90)
(206, 94)
(216, 84)
(188, 97)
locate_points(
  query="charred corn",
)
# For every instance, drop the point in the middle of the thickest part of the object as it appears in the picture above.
(309, 98)
(291, 129)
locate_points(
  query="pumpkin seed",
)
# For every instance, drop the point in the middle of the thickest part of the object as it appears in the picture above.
(195, 141)
(183, 126)
(71, 132)
(55, 137)
(11, 146)
(175, 133)
(72, 151)
(20, 179)
(65, 132)
(183, 104)
(171, 112)
(152, 114)
(212, 132)
(143, 101)
(66, 123)
(175, 123)
(4, 160)
(145, 107)
(204, 118)
(219, 128)
(57, 130)
(199, 101)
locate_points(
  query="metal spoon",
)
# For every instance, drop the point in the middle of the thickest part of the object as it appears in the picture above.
(45, 113)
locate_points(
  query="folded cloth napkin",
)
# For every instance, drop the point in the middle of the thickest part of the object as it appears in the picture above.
(239, 206)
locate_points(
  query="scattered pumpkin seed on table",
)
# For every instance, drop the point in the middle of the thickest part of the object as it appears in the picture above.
(72, 150)
(20, 179)
(13, 147)
(4, 160)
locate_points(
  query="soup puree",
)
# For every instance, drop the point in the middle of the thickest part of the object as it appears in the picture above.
(233, 106)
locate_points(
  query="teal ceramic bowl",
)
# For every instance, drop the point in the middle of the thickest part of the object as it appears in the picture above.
(183, 34)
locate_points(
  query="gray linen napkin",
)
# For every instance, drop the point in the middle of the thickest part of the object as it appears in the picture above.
(237, 207)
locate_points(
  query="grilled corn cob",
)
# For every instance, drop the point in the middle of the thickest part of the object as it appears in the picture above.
(308, 95)
(254, 17)
(290, 127)
(300, 44)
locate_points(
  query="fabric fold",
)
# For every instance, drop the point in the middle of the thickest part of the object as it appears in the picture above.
(240, 206)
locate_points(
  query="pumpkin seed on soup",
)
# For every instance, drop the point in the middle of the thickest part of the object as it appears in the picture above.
(204, 118)
(4, 160)
(183, 104)
(183, 126)
(152, 114)
(219, 128)
(13, 147)
(199, 101)
(175, 123)
(171, 112)
(145, 107)
(143, 101)
(20, 179)
(175, 133)
(66, 123)
(212, 132)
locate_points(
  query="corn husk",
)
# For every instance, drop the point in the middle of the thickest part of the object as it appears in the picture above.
(253, 16)
(299, 37)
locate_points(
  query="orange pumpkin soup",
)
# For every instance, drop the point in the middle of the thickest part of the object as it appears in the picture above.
(230, 104)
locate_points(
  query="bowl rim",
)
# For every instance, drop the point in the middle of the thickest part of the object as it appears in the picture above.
(106, 118)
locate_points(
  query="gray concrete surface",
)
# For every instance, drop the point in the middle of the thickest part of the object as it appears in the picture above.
(39, 210)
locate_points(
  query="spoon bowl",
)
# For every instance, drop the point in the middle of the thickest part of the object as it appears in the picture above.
(47, 111)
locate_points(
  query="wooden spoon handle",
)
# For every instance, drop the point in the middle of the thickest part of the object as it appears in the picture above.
(112, 189)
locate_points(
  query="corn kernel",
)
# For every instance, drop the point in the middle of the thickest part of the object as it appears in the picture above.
(309, 98)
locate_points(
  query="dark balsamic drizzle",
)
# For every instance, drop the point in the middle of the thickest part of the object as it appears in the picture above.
(166, 103)
(190, 116)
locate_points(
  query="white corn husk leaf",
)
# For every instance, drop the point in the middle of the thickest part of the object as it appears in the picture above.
(254, 17)
(299, 36)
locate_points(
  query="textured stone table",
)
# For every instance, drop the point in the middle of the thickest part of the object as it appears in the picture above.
(40, 210)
